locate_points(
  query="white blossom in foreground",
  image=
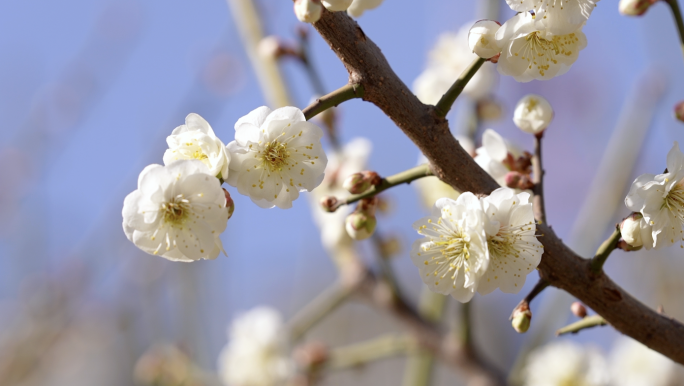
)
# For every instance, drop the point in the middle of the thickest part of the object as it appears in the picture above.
(482, 38)
(660, 199)
(196, 140)
(308, 11)
(560, 16)
(256, 353)
(177, 212)
(533, 114)
(491, 156)
(358, 7)
(514, 250)
(276, 154)
(565, 363)
(530, 51)
(452, 257)
(336, 5)
(633, 364)
(446, 61)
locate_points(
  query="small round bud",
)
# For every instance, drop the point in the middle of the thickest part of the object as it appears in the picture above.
(482, 38)
(336, 5)
(329, 203)
(634, 7)
(360, 225)
(533, 114)
(308, 11)
(269, 47)
(578, 309)
(230, 204)
(679, 111)
(521, 320)
(356, 183)
(630, 229)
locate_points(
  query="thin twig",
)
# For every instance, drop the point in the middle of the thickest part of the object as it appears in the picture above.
(604, 251)
(342, 94)
(583, 324)
(318, 308)
(448, 99)
(538, 171)
(525, 303)
(677, 13)
(379, 348)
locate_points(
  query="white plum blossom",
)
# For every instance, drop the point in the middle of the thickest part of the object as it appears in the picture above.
(196, 140)
(491, 156)
(452, 257)
(660, 199)
(529, 51)
(256, 353)
(336, 5)
(276, 154)
(358, 7)
(446, 62)
(633, 364)
(561, 17)
(565, 363)
(634, 7)
(631, 229)
(177, 212)
(308, 11)
(482, 38)
(533, 114)
(514, 250)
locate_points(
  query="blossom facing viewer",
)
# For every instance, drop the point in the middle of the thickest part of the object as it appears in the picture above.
(276, 154)
(177, 212)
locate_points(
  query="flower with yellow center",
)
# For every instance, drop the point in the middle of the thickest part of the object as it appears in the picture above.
(514, 250)
(276, 154)
(530, 51)
(177, 212)
(533, 114)
(559, 16)
(660, 199)
(452, 257)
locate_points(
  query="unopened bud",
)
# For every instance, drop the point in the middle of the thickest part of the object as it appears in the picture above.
(360, 225)
(578, 309)
(533, 114)
(329, 203)
(634, 7)
(679, 111)
(521, 320)
(482, 38)
(630, 229)
(308, 11)
(358, 183)
(517, 180)
(230, 204)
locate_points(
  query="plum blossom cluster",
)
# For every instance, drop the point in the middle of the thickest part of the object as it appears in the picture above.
(477, 244)
(179, 210)
(309, 11)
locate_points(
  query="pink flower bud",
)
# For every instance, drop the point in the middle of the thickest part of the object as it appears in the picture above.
(329, 203)
(356, 184)
(517, 180)
(578, 309)
(230, 204)
(634, 7)
(679, 111)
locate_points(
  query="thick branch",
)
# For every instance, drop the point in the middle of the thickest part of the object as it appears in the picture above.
(538, 199)
(560, 266)
(342, 94)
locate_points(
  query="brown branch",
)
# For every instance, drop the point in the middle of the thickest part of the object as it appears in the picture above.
(538, 199)
(560, 266)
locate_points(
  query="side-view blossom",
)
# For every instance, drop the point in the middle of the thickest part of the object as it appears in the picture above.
(308, 11)
(256, 353)
(177, 212)
(533, 114)
(560, 16)
(336, 5)
(493, 155)
(635, 7)
(530, 51)
(482, 38)
(660, 199)
(196, 140)
(565, 363)
(514, 250)
(633, 364)
(452, 257)
(358, 7)
(276, 154)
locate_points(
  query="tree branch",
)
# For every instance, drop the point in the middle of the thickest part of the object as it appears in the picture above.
(582, 324)
(560, 266)
(444, 105)
(342, 94)
(321, 306)
(538, 171)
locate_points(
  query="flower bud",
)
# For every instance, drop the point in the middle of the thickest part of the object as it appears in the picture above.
(679, 111)
(578, 309)
(517, 180)
(630, 228)
(360, 225)
(360, 182)
(533, 114)
(521, 320)
(329, 203)
(308, 11)
(482, 38)
(230, 204)
(634, 7)
(336, 5)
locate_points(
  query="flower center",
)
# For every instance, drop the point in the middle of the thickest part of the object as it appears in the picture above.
(675, 200)
(447, 254)
(509, 241)
(198, 154)
(275, 156)
(176, 210)
(541, 53)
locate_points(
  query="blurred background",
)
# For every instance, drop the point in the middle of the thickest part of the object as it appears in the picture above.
(89, 90)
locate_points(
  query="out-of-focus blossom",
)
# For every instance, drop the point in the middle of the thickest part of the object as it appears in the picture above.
(514, 250)
(493, 154)
(166, 365)
(452, 257)
(660, 199)
(336, 5)
(308, 11)
(361, 224)
(635, 7)
(446, 61)
(530, 51)
(177, 212)
(358, 7)
(256, 353)
(482, 38)
(276, 154)
(633, 364)
(565, 363)
(533, 114)
(196, 140)
(559, 16)
(679, 111)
